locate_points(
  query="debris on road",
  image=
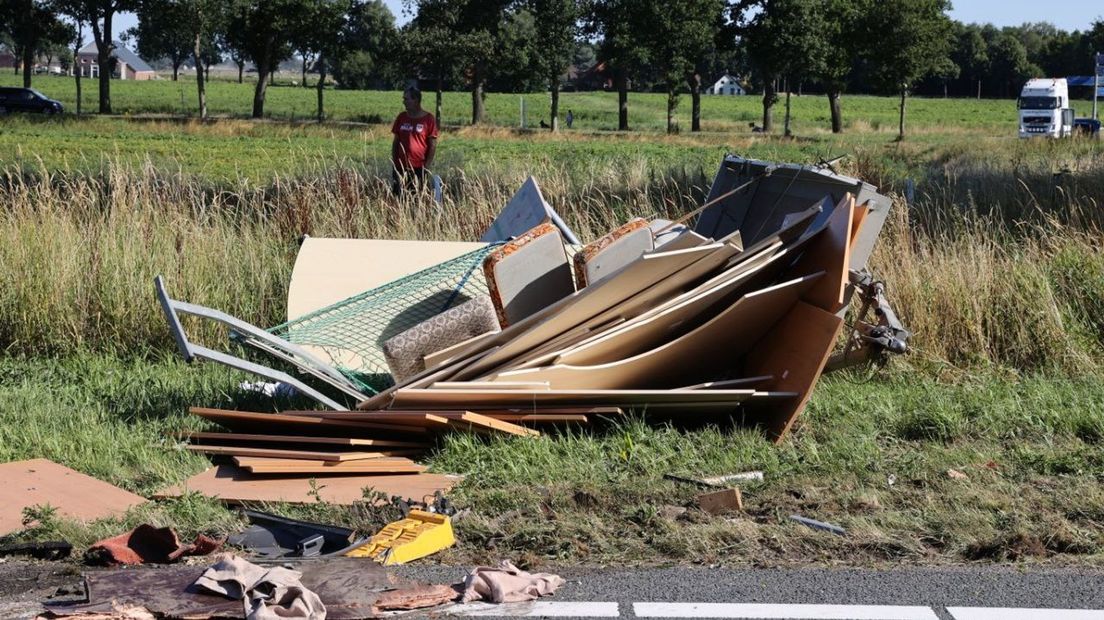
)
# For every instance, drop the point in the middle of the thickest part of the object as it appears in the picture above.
(417, 535)
(721, 502)
(507, 583)
(819, 525)
(43, 550)
(147, 544)
(272, 537)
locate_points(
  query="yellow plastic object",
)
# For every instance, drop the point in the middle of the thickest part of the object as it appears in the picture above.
(418, 535)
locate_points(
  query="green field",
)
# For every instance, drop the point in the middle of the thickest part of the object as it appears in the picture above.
(995, 263)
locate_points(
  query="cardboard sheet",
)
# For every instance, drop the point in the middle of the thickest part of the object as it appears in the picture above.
(73, 494)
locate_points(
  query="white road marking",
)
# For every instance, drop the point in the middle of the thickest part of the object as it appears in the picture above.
(547, 609)
(764, 611)
(1023, 613)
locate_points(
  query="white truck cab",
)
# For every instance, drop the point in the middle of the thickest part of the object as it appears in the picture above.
(1045, 110)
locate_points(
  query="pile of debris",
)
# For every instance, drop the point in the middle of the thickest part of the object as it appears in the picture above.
(736, 317)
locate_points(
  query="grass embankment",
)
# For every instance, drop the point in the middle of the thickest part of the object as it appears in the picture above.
(996, 265)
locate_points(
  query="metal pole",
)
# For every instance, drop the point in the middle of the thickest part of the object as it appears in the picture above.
(1099, 67)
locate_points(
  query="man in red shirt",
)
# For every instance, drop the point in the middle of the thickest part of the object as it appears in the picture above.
(415, 142)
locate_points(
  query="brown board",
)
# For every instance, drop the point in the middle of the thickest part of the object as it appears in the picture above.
(305, 466)
(270, 422)
(73, 494)
(299, 439)
(234, 485)
(316, 455)
(795, 352)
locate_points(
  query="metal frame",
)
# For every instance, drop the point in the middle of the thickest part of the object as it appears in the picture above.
(258, 338)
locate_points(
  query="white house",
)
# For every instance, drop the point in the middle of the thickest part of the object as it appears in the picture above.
(727, 85)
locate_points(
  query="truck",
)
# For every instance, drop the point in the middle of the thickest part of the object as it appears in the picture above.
(1045, 110)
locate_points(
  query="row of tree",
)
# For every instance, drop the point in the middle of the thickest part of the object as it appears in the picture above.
(827, 46)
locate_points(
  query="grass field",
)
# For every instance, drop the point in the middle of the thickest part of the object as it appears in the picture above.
(995, 263)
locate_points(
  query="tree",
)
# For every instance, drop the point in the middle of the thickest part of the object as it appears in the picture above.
(785, 40)
(430, 52)
(971, 54)
(556, 42)
(32, 27)
(842, 53)
(100, 14)
(1010, 67)
(321, 34)
(264, 29)
(622, 49)
(677, 34)
(472, 29)
(909, 40)
(163, 32)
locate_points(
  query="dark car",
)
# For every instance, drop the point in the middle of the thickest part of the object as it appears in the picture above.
(27, 100)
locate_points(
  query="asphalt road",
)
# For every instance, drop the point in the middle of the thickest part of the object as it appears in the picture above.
(933, 591)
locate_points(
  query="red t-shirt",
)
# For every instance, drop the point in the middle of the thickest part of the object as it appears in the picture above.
(413, 134)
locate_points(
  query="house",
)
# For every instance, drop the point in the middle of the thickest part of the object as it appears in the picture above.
(727, 85)
(7, 58)
(127, 64)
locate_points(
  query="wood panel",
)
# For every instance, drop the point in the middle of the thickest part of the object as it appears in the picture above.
(74, 495)
(709, 349)
(308, 466)
(480, 399)
(235, 485)
(795, 352)
(830, 253)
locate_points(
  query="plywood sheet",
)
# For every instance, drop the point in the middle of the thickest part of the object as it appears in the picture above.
(330, 270)
(795, 352)
(857, 220)
(438, 358)
(301, 439)
(316, 455)
(234, 485)
(73, 494)
(710, 349)
(450, 419)
(830, 253)
(272, 422)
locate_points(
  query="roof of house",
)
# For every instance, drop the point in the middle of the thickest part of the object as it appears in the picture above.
(121, 52)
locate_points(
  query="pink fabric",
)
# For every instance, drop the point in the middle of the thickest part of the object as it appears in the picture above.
(507, 583)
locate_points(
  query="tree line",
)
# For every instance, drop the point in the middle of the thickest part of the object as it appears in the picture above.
(777, 47)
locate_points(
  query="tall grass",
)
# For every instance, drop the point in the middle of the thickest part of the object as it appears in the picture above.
(996, 262)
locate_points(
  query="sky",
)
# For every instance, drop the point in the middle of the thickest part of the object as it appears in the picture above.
(1068, 15)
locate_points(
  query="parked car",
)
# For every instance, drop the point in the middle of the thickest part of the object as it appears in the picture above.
(27, 100)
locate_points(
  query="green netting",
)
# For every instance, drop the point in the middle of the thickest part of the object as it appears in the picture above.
(352, 332)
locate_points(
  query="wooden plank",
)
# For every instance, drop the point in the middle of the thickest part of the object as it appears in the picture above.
(269, 422)
(498, 385)
(534, 418)
(480, 399)
(75, 496)
(709, 350)
(830, 253)
(552, 410)
(654, 327)
(305, 466)
(336, 441)
(451, 419)
(235, 485)
(317, 455)
(731, 383)
(795, 352)
(438, 358)
(421, 418)
(857, 220)
(475, 420)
